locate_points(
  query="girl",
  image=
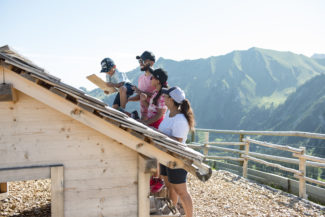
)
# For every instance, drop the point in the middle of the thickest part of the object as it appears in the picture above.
(156, 106)
(177, 123)
(156, 113)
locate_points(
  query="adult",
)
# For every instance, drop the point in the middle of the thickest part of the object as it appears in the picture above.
(146, 61)
(178, 121)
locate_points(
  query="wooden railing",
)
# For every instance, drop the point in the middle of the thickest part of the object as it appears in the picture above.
(302, 160)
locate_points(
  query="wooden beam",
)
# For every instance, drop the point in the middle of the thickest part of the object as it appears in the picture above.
(270, 145)
(4, 191)
(274, 165)
(266, 133)
(62, 105)
(57, 193)
(7, 93)
(143, 187)
(23, 174)
(223, 158)
(311, 158)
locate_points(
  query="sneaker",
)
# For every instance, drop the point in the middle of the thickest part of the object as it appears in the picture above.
(135, 115)
(156, 184)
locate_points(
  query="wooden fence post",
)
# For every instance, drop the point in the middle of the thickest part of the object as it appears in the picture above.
(193, 136)
(3, 190)
(241, 147)
(206, 140)
(302, 168)
(245, 165)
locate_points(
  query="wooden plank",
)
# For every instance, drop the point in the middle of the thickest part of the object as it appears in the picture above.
(302, 169)
(58, 92)
(311, 158)
(226, 143)
(266, 133)
(3, 187)
(270, 145)
(23, 174)
(274, 165)
(275, 158)
(100, 83)
(226, 149)
(245, 165)
(224, 158)
(7, 93)
(206, 140)
(143, 188)
(90, 120)
(57, 194)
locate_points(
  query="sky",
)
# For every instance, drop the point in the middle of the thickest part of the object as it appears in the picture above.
(69, 38)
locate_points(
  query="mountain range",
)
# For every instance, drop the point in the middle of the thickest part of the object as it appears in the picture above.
(254, 89)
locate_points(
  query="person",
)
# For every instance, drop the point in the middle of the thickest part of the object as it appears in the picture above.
(146, 61)
(156, 105)
(155, 115)
(177, 123)
(119, 81)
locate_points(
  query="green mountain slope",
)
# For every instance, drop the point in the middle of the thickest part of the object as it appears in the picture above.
(224, 90)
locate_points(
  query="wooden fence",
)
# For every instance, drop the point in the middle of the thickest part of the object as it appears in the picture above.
(299, 154)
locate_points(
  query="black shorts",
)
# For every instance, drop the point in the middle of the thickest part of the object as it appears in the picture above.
(129, 92)
(175, 176)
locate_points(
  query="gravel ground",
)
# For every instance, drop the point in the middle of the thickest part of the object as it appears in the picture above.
(225, 194)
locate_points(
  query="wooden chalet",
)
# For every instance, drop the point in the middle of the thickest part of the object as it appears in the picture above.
(99, 160)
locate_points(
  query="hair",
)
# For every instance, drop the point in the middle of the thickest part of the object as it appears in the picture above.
(186, 109)
(155, 100)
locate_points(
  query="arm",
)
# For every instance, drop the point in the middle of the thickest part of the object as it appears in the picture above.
(134, 98)
(155, 118)
(116, 85)
(138, 91)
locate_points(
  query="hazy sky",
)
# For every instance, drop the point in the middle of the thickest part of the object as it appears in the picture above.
(69, 38)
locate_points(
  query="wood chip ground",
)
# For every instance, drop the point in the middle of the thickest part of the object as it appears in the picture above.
(224, 194)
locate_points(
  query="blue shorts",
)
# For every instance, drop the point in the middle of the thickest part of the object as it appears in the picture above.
(175, 176)
(129, 92)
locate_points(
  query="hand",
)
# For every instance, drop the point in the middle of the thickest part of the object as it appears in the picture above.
(143, 97)
(136, 89)
(106, 92)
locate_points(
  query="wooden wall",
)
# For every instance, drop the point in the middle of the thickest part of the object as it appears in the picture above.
(100, 175)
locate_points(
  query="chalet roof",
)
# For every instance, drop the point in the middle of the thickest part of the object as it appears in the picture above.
(32, 72)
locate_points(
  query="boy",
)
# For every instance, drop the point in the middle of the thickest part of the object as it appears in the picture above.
(119, 81)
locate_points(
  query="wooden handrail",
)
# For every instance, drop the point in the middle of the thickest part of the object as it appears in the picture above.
(266, 133)
(270, 145)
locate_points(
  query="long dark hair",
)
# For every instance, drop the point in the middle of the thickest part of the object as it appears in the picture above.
(155, 100)
(186, 109)
(162, 81)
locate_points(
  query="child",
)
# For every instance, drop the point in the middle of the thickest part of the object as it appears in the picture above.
(146, 61)
(119, 81)
(156, 106)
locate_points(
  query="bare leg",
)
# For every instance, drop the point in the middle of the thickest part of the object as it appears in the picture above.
(185, 197)
(171, 191)
(123, 97)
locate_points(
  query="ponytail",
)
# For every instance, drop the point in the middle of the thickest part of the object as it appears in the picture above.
(186, 110)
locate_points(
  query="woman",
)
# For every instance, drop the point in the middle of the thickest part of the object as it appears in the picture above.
(156, 106)
(177, 123)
